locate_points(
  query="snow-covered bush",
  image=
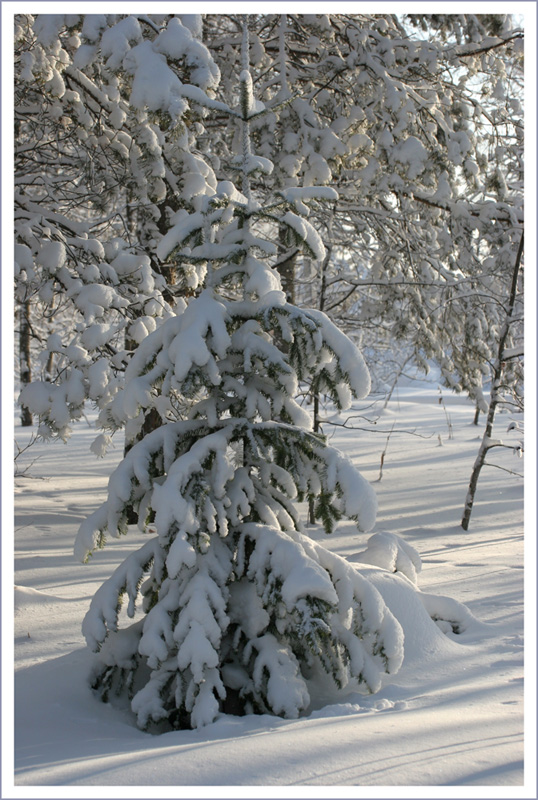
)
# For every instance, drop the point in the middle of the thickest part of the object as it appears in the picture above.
(240, 609)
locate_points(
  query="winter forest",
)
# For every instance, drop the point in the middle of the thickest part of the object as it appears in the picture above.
(268, 289)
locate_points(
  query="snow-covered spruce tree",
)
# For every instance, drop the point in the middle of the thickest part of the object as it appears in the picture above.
(241, 610)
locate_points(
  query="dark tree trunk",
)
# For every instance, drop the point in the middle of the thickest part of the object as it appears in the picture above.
(287, 266)
(316, 426)
(25, 357)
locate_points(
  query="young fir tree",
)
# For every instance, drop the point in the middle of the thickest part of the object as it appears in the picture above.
(241, 611)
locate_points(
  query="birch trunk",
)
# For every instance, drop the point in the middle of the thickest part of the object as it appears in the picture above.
(496, 396)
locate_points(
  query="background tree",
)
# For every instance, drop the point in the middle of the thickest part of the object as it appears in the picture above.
(422, 135)
(415, 120)
(502, 392)
(91, 170)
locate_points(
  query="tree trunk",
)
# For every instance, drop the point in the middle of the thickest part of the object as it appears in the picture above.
(25, 357)
(316, 426)
(395, 381)
(287, 266)
(496, 397)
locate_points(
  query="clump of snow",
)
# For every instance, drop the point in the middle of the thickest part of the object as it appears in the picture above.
(178, 41)
(52, 256)
(392, 553)
(47, 26)
(100, 445)
(448, 614)
(296, 195)
(154, 84)
(412, 154)
(116, 41)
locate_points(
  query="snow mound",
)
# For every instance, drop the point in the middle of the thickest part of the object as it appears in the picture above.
(431, 624)
(392, 553)
(25, 596)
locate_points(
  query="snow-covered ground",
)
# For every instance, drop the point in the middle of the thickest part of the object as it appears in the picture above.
(453, 715)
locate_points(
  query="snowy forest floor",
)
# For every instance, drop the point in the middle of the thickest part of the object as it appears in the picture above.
(453, 714)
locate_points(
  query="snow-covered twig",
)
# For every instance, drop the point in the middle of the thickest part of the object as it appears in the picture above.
(25, 471)
(384, 453)
(504, 469)
(377, 430)
(447, 415)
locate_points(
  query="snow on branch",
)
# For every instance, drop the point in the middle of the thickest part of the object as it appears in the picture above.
(106, 603)
(305, 233)
(297, 194)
